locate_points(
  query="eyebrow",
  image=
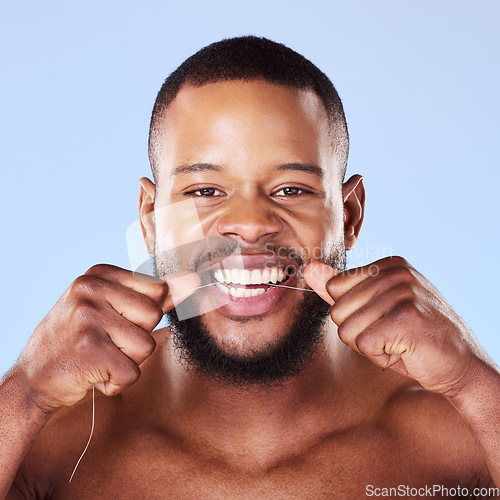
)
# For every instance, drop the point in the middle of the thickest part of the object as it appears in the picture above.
(302, 167)
(191, 168)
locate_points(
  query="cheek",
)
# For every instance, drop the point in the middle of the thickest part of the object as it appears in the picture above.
(323, 235)
(177, 224)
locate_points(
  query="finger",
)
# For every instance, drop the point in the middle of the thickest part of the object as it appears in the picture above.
(316, 275)
(345, 281)
(152, 287)
(118, 382)
(181, 285)
(381, 345)
(365, 292)
(133, 341)
(386, 341)
(363, 318)
(136, 307)
(350, 278)
(115, 371)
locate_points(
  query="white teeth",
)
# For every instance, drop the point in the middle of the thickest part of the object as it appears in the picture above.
(256, 277)
(235, 275)
(247, 277)
(265, 275)
(222, 287)
(241, 292)
(274, 275)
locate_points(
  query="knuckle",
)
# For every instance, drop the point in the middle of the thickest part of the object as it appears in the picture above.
(84, 285)
(151, 313)
(400, 274)
(406, 291)
(374, 269)
(147, 346)
(151, 346)
(335, 315)
(160, 292)
(84, 312)
(404, 311)
(130, 374)
(343, 331)
(88, 341)
(99, 270)
(397, 260)
(156, 314)
(363, 343)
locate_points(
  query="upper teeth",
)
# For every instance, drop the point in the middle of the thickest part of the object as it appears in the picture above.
(247, 277)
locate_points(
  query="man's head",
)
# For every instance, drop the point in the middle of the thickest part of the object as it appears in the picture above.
(246, 59)
(255, 135)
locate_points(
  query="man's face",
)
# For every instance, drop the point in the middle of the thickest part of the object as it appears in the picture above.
(256, 159)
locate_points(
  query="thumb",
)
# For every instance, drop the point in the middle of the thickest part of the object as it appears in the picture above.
(180, 286)
(317, 275)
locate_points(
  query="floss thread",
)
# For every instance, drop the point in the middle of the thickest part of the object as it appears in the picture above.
(90, 437)
(93, 389)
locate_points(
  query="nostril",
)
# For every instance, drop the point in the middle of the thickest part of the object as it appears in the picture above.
(250, 223)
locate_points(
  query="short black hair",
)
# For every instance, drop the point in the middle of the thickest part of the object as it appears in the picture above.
(250, 58)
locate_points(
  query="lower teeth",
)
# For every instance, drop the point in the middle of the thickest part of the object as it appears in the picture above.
(240, 292)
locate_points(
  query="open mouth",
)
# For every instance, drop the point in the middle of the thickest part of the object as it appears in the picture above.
(250, 282)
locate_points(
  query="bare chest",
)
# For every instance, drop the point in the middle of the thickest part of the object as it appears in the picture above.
(343, 467)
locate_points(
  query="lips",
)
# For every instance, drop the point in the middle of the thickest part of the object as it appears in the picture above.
(248, 281)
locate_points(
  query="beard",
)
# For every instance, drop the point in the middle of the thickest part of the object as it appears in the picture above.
(197, 349)
(248, 367)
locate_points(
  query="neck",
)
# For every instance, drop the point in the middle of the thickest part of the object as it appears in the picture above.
(263, 425)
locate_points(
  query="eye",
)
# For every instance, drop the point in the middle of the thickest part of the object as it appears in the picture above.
(291, 191)
(206, 192)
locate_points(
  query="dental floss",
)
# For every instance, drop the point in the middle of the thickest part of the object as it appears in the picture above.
(189, 289)
(268, 284)
(292, 287)
(90, 437)
(93, 389)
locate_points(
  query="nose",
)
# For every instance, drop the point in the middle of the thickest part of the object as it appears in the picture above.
(250, 220)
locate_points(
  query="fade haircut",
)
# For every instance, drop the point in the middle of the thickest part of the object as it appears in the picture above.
(251, 58)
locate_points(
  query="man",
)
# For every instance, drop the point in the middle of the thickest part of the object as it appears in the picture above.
(336, 384)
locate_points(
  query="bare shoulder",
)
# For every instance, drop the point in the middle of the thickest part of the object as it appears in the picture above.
(432, 428)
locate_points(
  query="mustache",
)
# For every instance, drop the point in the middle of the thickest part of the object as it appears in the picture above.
(194, 255)
(272, 249)
(200, 255)
(214, 256)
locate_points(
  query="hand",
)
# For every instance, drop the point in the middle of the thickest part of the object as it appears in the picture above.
(391, 314)
(98, 334)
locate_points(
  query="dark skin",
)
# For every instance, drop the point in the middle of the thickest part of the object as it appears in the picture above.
(398, 391)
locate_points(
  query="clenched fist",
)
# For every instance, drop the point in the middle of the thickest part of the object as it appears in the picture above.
(388, 312)
(98, 334)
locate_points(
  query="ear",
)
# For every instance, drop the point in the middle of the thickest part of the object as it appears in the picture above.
(353, 192)
(146, 212)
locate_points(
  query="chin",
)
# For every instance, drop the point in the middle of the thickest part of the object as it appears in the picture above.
(248, 351)
(250, 338)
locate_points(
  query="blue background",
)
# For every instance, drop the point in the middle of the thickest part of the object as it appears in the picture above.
(419, 82)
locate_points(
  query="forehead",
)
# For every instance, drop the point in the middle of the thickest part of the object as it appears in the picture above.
(246, 122)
